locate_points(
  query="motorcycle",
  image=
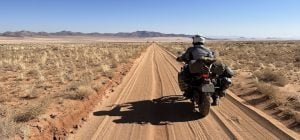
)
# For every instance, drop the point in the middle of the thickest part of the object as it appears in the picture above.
(202, 85)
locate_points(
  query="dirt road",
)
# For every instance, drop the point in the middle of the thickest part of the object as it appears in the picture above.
(148, 105)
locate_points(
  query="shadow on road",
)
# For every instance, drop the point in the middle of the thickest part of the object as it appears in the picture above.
(161, 111)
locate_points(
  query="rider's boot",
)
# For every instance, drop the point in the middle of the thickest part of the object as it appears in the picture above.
(215, 101)
(222, 93)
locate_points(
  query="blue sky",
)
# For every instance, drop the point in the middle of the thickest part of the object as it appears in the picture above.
(249, 18)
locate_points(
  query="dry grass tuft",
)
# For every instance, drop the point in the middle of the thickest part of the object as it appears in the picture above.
(107, 71)
(114, 64)
(269, 90)
(294, 101)
(270, 76)
(84, 91)
(109, 74)
(79, 92)
(30, 113)
(8, 128)
(31, 93)
(33, 73)
(97, 86)
(288, 113)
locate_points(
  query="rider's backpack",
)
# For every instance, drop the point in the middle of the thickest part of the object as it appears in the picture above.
(201, 65)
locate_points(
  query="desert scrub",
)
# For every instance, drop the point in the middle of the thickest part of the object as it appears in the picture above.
(30, 72)
(109, 73)
(246, 55)
(267, 89)
(294, 101)
(61, 63)
(176, 47)
(83, 91)
(8, 127)
(269, 76)
(287, 113)
(30, 112)
(297, 117)
(79, 90)
(97, 86)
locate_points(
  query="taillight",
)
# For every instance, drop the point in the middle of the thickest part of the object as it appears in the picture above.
(205, 75)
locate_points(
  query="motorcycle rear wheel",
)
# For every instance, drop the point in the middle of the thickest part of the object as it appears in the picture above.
(204, 104)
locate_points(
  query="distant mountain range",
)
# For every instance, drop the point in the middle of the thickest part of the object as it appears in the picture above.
(70, 33)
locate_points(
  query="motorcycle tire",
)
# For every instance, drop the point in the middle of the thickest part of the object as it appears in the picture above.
(204, 104)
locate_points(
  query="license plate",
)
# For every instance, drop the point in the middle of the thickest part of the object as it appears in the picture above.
(208, 88)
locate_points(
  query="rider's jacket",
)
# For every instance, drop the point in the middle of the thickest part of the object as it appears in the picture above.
(196, 52)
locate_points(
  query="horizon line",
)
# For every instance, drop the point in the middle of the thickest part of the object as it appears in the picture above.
(185, 34)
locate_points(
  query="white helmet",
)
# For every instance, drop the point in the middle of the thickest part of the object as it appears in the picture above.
(198, 39)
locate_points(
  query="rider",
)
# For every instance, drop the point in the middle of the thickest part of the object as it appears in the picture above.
(194, 53)
(197, 51)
